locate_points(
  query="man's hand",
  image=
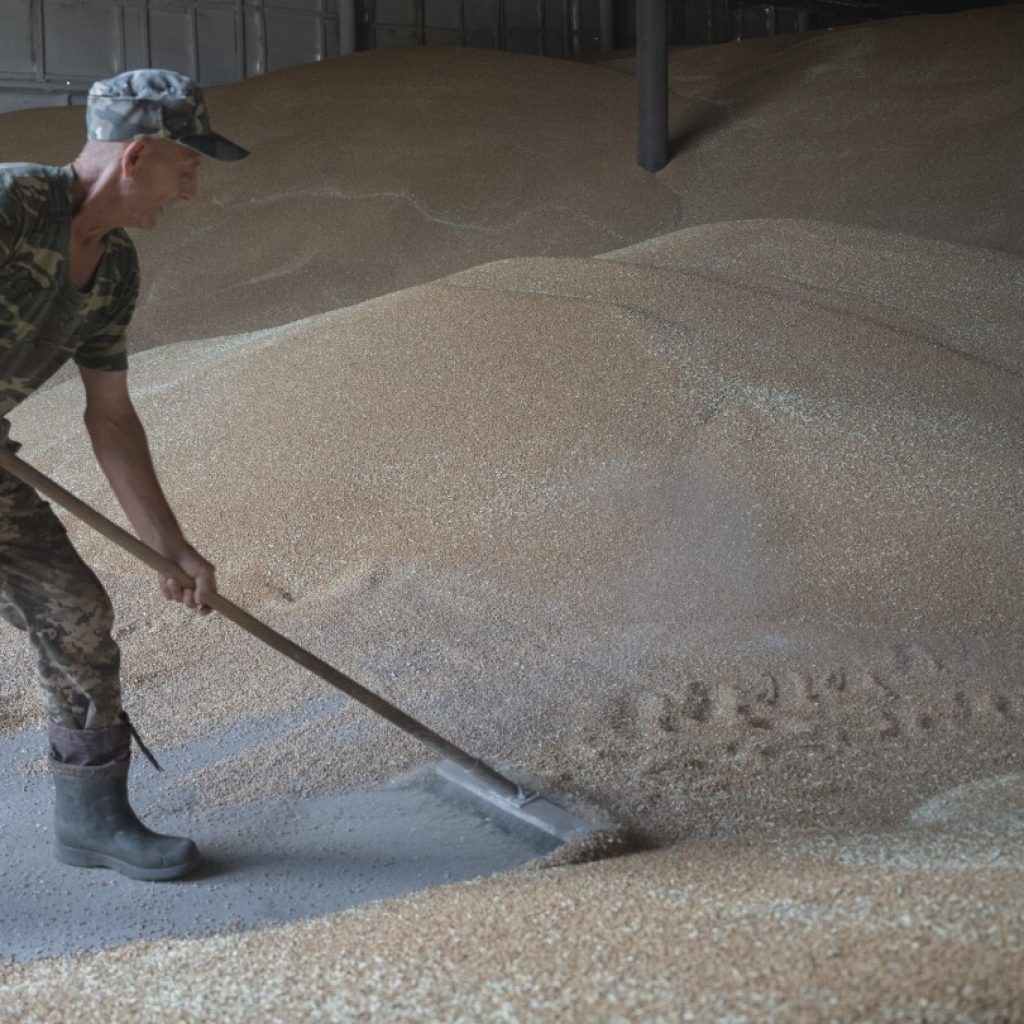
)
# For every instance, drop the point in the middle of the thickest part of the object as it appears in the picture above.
(200, 570)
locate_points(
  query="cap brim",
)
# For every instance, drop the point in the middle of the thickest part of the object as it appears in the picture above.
(215, 146)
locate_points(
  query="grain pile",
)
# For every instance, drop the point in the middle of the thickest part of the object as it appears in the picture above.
(721, 530)
(909, 126)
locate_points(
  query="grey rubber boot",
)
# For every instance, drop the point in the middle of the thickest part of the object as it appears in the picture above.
(94, 824)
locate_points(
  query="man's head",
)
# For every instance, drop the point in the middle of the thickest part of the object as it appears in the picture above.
(147, 130)
(154, 174)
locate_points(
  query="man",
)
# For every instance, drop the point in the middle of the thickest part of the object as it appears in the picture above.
(68, 285)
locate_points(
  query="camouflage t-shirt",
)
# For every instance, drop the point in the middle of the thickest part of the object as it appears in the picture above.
(44, 319)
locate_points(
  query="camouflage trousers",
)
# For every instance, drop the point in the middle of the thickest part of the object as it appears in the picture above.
(50, 593)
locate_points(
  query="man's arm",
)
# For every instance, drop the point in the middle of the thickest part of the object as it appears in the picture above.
(121, 448)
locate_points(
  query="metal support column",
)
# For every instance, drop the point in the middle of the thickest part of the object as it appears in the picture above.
(652, 83)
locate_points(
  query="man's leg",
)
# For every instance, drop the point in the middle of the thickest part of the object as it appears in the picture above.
(48, 591)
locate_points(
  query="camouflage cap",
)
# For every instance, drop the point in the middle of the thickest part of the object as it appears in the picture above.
(155, 104)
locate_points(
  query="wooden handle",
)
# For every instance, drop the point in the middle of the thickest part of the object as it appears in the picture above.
(52, 490)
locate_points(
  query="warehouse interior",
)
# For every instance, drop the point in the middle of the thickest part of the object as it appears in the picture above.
(691, 498)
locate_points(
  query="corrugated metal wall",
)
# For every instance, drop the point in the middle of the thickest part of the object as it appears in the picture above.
(559, 28)
(51, 50)
(690, 22)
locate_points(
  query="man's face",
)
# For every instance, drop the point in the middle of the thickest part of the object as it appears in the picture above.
(157, 174)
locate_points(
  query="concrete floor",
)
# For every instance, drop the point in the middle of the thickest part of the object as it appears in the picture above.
(267, 861)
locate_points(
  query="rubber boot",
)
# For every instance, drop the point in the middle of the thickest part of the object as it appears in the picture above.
(94, 824)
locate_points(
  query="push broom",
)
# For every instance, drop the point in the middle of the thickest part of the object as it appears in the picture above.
(457, 766)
